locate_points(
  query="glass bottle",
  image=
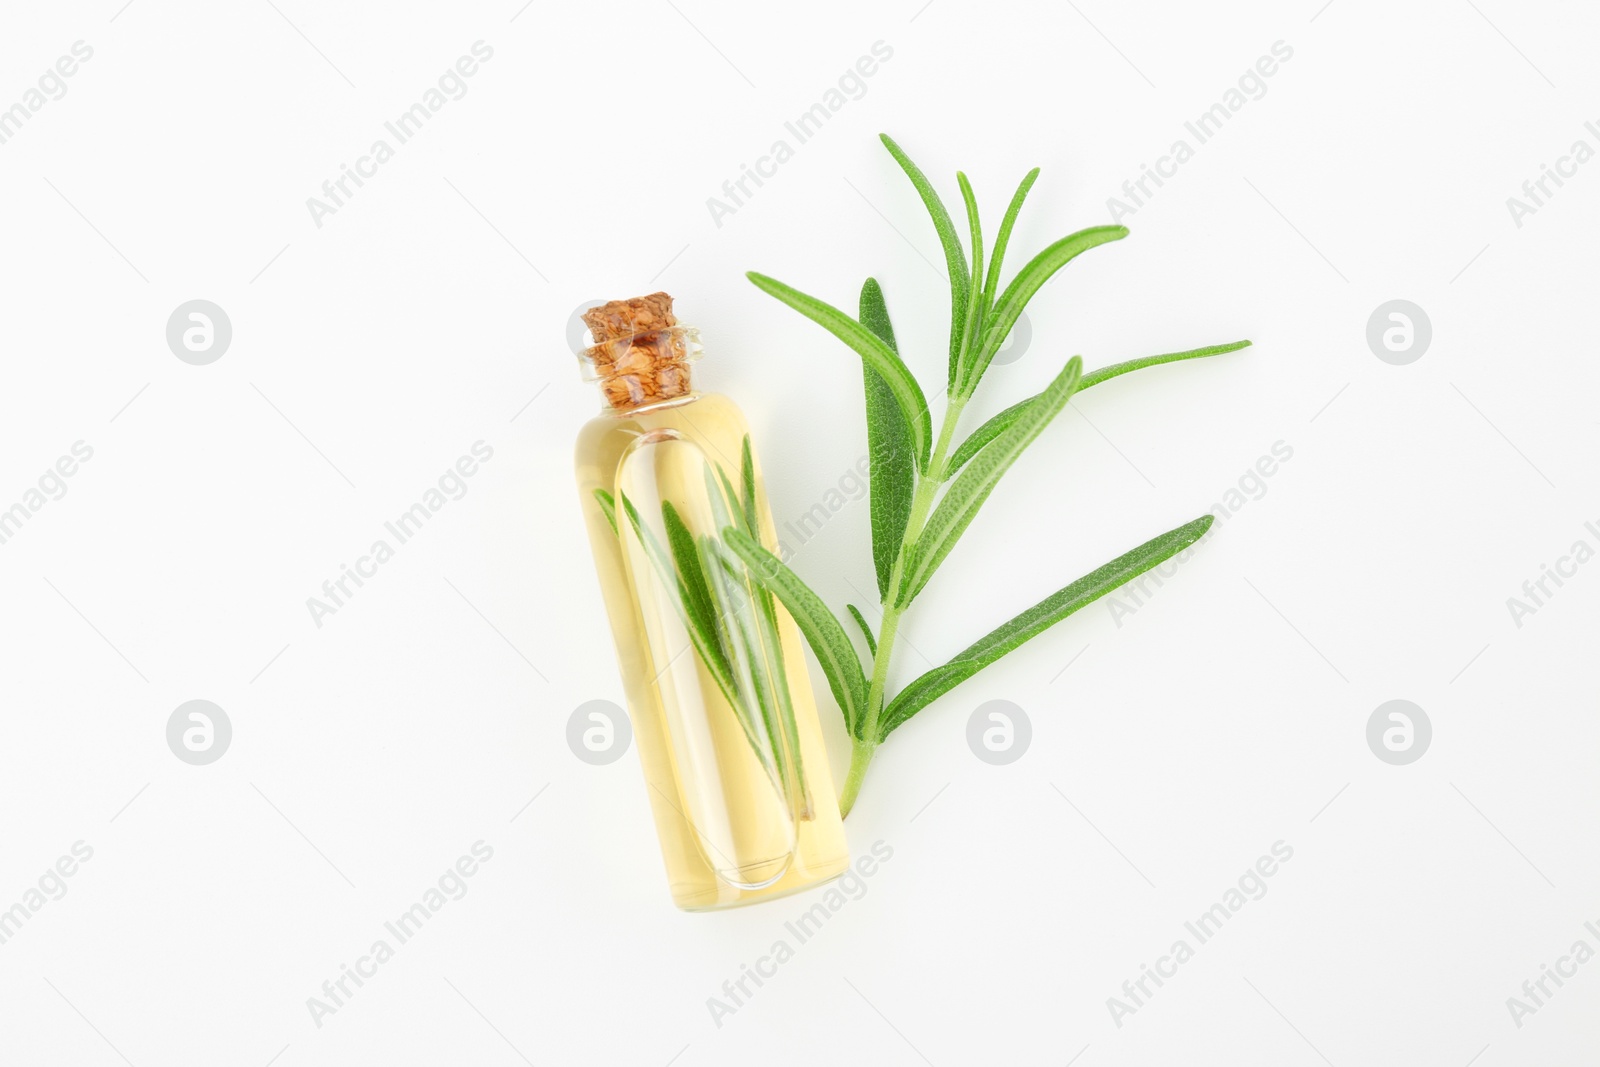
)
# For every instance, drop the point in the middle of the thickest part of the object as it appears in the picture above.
(712, 665)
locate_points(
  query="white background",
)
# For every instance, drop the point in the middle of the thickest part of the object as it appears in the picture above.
(430, 312)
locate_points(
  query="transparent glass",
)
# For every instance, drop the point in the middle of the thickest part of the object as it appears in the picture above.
(713, 668)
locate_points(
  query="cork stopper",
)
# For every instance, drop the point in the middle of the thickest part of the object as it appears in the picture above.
(639, 352)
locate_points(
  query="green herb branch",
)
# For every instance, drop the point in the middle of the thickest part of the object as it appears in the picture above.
(924, 492)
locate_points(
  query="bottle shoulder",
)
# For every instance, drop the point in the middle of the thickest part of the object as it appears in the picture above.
(710, 419)
(709, 410)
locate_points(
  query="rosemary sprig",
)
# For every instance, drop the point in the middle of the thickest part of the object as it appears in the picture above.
(924, 492)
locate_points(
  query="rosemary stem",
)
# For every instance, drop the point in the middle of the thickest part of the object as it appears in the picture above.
(863, 748)
(860, 756)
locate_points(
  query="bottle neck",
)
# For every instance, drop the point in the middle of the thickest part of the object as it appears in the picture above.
(644, 370)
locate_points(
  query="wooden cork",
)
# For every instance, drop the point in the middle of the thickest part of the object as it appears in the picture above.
(638, 355)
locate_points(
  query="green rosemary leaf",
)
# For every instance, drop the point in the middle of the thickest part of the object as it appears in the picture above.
(1037, 619)
(727, 502)
(972, 329)
(822, 631)
(691, 575)
(647, 537)
(608, 506)
(737, 614)
(747, 665)
(955, 260)
(991, 429)
(727, 508)
(992, 286)
(1028, 281)
(889, 447)
(764, 649)
(879, 356)
(973, 485)
(1095, 377)
(747, 482)
(719, 494)
(705, 641)
(866, 631)
(986, 433)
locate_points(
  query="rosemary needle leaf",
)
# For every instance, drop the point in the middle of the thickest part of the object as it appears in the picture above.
(992, 286)
(1028, 281)
(991, 429)
(955, 259)
(822, 631)
(866, 631)
(889, 447)
(879, 356)
(1037, 619)
(972, 330)
(986, 433)
(1095, 377)
(747, 482)
(608, 507)
(704, 638)
(697, 602)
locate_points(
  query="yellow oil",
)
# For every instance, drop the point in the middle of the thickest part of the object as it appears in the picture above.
(732, 829)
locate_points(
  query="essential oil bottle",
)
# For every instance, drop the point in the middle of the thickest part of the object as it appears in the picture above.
(712, 665)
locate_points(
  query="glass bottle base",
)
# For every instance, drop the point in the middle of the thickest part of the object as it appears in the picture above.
(721, 898)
